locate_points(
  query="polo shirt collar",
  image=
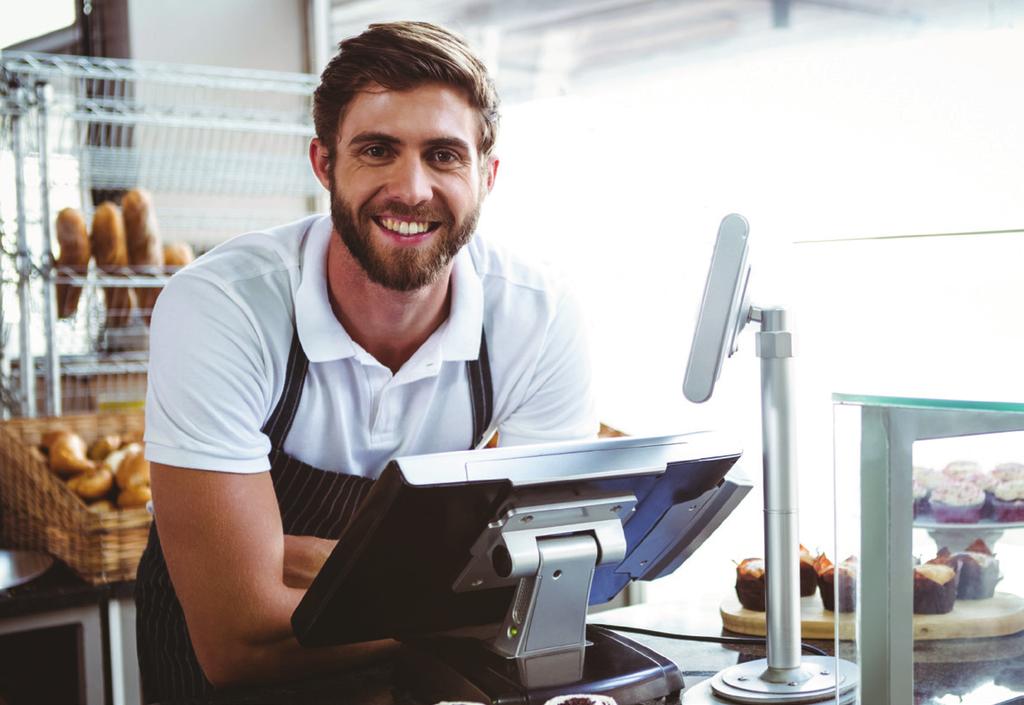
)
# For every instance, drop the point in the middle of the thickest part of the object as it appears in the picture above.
(323, 338)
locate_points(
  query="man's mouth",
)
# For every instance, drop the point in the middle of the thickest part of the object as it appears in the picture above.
(407, 228)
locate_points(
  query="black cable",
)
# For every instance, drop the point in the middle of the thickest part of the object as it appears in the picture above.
(756, 641)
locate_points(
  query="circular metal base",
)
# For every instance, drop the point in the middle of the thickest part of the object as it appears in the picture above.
(815, 681)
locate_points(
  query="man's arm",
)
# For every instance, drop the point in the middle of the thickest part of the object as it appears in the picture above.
(226, 553)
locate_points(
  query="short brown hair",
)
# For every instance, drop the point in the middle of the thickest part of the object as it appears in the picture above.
(401, 56)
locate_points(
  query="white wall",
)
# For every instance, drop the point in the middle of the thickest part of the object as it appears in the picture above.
(623, 189)
(237, 33)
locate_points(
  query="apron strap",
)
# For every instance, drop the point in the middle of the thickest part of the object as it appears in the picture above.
(481, 394)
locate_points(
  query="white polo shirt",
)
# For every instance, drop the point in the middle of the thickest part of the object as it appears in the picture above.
(222, 329)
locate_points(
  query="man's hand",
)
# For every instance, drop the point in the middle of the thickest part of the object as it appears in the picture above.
(304, 556)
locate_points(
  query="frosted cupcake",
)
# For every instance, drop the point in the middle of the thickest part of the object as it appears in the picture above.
(961, 470)
(957, 503)
(1008, 502)
(921, 494)
(1005, 472)
(929, 478)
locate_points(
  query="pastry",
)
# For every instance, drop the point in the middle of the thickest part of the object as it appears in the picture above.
(808, 576)
(1008, 501)
(134, 496)
(847, 585)
(935, 587)
(92, 485)
(178, 254)
(750, 586)
(75, 252)
(67, 454)
(957, 503)
(133, 470)
(103, 446)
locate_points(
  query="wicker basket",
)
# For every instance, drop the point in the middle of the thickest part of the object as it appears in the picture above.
(39, 512)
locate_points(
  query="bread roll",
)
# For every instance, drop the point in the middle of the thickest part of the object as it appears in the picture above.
(73, 239)
(92, 485)
(135, 496)
(102, 506)
(178, 254)
(145, 251)
(67, 455)
(114, 460)
(133, 470)
(103, 446)
(110, 248)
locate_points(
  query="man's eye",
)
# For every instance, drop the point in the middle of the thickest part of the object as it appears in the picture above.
(377, 151)
(445, 156)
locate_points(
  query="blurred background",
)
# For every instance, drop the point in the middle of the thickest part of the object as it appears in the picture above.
(875, 146)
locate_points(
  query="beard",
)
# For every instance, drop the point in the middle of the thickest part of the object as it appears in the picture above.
(406, 268)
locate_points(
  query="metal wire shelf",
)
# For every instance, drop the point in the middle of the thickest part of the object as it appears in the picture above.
(221, 151)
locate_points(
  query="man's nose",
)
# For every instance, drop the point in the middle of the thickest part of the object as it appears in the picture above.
(410, 182)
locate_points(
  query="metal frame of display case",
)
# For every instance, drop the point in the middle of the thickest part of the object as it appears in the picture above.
(889, 428)
(221, 150)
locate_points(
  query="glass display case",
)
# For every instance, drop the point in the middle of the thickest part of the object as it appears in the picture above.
(930, 547)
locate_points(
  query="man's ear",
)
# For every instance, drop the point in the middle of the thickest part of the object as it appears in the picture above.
(319, 158)
(492, 172)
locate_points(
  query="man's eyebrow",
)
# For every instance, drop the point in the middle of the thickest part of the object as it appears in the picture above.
(367, 137)
(453, 142)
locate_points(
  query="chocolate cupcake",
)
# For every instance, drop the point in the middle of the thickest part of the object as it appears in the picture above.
(847, 585)
(977, 570)
(957, 503)
(750, 587)
(935, 587)
(808, 576)
(1008, 501)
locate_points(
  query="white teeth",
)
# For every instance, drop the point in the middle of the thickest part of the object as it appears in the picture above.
(404, 227)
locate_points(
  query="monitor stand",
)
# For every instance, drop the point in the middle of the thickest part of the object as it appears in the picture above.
(544, 648)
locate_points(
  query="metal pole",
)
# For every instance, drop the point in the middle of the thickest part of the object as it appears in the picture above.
(23, 263)
(53, 395)
(782, 557)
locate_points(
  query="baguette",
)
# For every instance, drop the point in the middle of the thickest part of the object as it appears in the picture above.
(110, 248)
(73, 239)
(145, 251)
(178, 254)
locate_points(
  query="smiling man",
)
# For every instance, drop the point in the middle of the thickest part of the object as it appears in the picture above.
(288, 366)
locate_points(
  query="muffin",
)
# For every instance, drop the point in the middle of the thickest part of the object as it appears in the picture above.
(847, 587)
(1008, 501)
(977, 570)
(957, 503)
(1005, 472)
(750, 587)
(935, 587)
(808, 576)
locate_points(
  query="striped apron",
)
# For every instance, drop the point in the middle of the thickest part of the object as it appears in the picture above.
(313, 502)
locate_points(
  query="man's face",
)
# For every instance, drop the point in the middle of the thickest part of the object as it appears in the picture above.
(407, 182)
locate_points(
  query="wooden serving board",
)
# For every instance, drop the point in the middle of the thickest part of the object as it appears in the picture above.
(1000, 615)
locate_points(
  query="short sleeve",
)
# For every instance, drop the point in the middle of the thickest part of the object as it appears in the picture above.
(209, 389)
(559, 403)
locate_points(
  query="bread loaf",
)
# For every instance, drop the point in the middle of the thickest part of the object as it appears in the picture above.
(110, 248)
(145, 250)
(73, 239)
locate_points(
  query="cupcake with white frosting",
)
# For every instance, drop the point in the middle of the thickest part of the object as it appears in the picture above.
(957, 503)
(929, 478)
(1005, 472)
(1008, 501)
(959, 470)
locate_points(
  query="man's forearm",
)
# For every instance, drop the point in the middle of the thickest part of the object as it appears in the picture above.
(304, 556)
